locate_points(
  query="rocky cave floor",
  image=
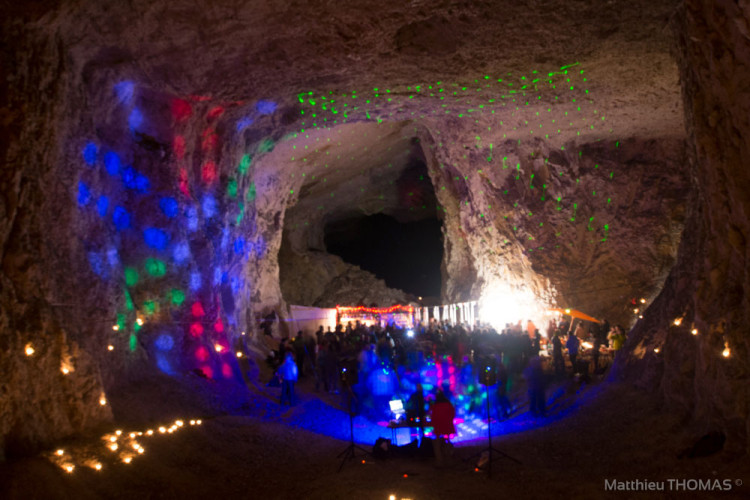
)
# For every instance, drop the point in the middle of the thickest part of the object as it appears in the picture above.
(249, 447)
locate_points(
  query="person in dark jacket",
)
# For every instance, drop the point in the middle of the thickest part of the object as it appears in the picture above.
(534, 375)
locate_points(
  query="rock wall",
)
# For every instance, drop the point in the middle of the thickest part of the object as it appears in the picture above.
(152, 151)
(702, 313)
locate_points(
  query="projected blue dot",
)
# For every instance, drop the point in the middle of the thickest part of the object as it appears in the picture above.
(89, 154)
(164, 342)
(84, 195)
(112, 163)
(265, 107)
(169, 206)
(209, 206)
(141, 183)
(97, 265)
(155, 238)
(217, 276)
(236, 283)
(192, 219)
(195, 281)
(112, 257)
(243, 123)
(121, 218)
(135, 120)
(181, 252)
(239, 246)
(125, 91)
(163, 364)
(102, 205)
(128, 177)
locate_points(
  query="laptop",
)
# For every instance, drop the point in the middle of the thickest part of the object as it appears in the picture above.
(397, 408)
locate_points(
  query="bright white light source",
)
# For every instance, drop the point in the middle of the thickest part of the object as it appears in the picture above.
(502, 303)
(110, 347)
(162, 429)
(643, 301)
(694, 331)
(98, 466)
(656, 350)
(113, 447)
(102, 400)
(60, 453)
(239, 354)
(139, 321)
(726, 352)
(409, 333)
(115, 327)
(29, 350)
(69, 467)
(677, 321)
(127, 460)
(218, 347)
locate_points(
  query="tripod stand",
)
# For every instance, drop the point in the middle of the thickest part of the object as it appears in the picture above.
(489, 448)
(350, 452)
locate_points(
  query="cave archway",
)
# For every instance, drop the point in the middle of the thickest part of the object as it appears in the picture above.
(366, 227)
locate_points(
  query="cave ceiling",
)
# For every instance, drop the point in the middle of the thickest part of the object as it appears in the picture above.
(501, 99)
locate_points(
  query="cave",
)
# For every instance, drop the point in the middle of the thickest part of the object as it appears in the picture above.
(407, 255)
(181, 179)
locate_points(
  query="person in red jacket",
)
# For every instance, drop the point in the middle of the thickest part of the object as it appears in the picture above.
(442, 414)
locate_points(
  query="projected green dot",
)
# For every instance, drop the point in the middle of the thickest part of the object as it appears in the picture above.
(131, 276)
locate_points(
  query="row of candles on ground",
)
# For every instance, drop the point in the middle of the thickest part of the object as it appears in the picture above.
(126, 444)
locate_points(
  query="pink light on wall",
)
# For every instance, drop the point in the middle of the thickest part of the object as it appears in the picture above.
(179, 147)
(201, 354)
(196, 329)
(208, 172)
(183, 181)
(197, 309)
(215, 112)
(181, 110)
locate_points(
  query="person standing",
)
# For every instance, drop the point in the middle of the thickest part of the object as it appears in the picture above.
(534, 375)
(442, 414)
(288, 373)
(573, 344)
(503, 403)
(557, 355)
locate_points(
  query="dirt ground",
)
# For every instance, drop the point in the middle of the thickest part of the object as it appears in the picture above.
(249, 447)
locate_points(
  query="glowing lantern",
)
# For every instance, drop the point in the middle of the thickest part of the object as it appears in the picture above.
(677, 321)
(110, 347)
(115, 327)
(60, 453)
(29, 350)
(694, 331)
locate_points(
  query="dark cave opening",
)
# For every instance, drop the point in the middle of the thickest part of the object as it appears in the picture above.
(407, 255)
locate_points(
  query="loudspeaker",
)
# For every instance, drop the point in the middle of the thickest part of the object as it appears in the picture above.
(488, 374)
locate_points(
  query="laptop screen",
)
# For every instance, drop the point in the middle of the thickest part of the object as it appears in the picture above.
(397, 406)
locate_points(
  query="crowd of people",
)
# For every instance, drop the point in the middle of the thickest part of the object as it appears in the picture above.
(371, 365)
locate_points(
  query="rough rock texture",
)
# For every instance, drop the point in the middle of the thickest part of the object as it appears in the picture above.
(323, 280)
(706, 290)
(156, 151)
